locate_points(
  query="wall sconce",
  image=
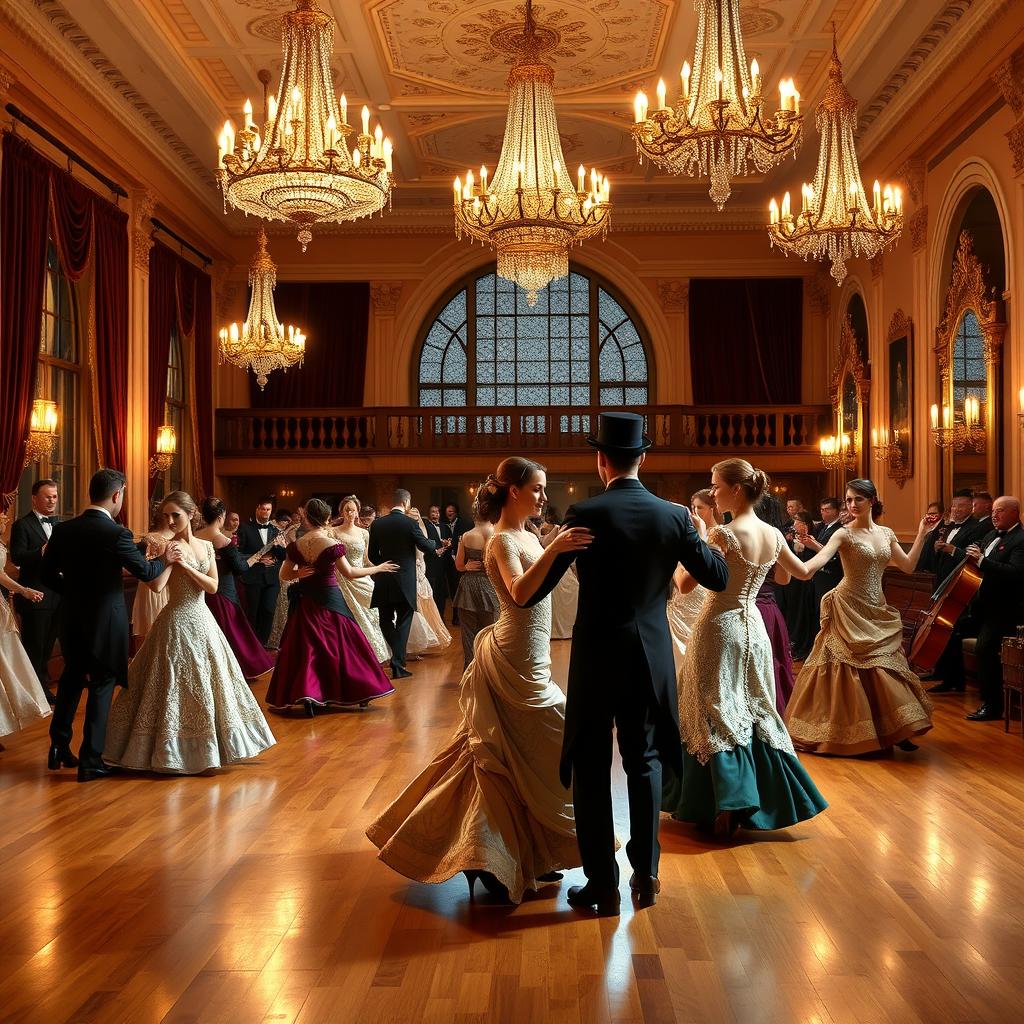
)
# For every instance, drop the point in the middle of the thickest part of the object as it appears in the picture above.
(166, 446)
(286, 492)
(959, 434)
(42, 430)
(838, 451)
(571, 489)
(889, 452)
(472, 490)
(779, 489)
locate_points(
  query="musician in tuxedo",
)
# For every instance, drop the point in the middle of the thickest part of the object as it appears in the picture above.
(395, 538)
(995, 611)
(621, 668)
(29, 536)
(83, 562)
(934, 516)
(960, 532)
(829, 575)
(981, 513)
(435, 567)
(262, 583)
(452, 529)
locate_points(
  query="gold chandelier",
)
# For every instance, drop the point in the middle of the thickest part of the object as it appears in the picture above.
(262, 344)
(835, 220)
(299, 168)
(529, 212)
(719, 123)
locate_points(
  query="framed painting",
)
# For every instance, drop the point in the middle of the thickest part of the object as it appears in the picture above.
(901, 394)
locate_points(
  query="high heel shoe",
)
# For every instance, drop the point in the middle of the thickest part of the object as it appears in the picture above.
(907, 745)
(489, 882)
(551, 876)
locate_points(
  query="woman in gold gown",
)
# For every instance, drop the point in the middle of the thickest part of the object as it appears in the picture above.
(856, 692)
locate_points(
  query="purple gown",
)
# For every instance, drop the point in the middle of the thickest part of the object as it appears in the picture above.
(324, 658)
(778, 635)
(227, 610)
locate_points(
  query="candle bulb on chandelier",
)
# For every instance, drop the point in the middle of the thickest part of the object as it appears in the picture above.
(878, 197)
(773, 212)
(458, 190)
(661, 93)
(685, 76)
(935, 417)
(519, 176)
(389, 150)
(366, 120)
(582, 175)
(720, 80)
(344, 109)
(247, 110)
(783, 95)
(947, 417)
(785, 207)
(229, 137)
(483, 179)
(755, 77)
(898, 197)
(297, 102)
(332, 131)
(271, 108)
(357, 157)
(640, 108)
(796, 97)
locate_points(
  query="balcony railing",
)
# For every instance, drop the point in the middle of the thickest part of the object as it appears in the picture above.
(403, 431)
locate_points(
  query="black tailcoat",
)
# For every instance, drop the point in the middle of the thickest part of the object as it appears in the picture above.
(395, 538)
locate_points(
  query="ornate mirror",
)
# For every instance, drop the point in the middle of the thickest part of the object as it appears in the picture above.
(969, 349)
(850, 394)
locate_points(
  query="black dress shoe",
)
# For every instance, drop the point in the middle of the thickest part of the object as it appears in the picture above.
(101, 771)
(60, 757)
(400, 673)
(645, 889)
(986, 713)
(945, 688)
(586, 897)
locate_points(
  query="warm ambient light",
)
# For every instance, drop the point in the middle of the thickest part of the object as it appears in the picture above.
(166, 446)
(42, 430)
(959, 432)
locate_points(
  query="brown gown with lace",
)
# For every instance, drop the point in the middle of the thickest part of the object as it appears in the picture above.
(856, 692)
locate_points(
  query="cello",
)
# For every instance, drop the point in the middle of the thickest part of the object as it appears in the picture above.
(936, 626)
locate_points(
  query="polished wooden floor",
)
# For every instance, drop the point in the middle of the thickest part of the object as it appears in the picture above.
(253, 896)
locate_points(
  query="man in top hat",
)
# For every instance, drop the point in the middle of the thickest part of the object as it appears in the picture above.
(621, 671)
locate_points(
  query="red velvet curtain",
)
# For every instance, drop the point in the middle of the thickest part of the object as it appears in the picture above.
(757, 326)
(335, 316)
(204, 382)
(72, 209)
(163, 314)
(24, 188)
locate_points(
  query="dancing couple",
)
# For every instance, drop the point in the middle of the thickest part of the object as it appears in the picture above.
(494, 802)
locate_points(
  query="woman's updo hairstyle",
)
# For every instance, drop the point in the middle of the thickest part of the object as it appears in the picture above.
(212, 509)
(184, 501)
(866, 489)
(739, 472)
(344, 501)
(318, 512)
(493, 494)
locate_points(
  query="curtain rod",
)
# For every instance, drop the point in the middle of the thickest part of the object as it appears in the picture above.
(35, 126)
(159, 225)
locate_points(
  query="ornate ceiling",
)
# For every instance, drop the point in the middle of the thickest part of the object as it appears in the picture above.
(434, 72)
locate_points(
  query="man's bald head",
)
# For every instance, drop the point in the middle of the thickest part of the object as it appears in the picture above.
(1005, 512)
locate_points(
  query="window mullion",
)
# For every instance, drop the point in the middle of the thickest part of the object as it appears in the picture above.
(471, 342)
(595, 350)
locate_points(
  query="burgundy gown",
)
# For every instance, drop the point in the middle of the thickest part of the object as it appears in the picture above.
(324, 658)
(778, 636)
(234, 624)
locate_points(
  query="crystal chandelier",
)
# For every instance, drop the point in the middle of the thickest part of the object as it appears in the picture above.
(298, 167)
(262, 344)
(961, 433)
(719, 123)
(835, 220)
(838, 451)
(529, 212)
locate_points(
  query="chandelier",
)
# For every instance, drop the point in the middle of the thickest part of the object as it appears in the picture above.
(298, 167)
(262, 344)
(529, 212)
(719, 123)
(960, 433)
(838, 451)
(835, 220)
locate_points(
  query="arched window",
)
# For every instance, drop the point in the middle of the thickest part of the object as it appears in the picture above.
(59, 379)
(969, 371)
(174, 410)
(578, 346)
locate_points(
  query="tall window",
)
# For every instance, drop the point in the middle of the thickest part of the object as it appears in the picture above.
(577, 346)
(969, 374)
(174, 410)
(59, 379)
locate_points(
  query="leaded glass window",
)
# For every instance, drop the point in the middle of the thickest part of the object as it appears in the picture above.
(969, 372)
(577, 346)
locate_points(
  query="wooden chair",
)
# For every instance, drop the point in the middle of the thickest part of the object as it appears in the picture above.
(1012, 656)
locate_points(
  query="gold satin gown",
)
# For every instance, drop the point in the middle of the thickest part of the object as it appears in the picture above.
(856, 692)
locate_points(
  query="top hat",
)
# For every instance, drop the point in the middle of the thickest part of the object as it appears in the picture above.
(620, 432)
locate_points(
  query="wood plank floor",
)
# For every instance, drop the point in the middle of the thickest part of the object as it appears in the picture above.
(253, 896)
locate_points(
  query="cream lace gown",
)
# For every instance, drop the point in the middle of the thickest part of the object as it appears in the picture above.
(358, 593)
(564, 602)
(21, 697)
(682, 611)
(187, 707)
(491, 799)
(856, 692)
(427, 632)
(737, 755)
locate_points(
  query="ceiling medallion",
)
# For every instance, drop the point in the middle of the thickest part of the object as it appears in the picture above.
(262, 344)
(719, 122)
(529, 212)
(298, 167)
(835, 220)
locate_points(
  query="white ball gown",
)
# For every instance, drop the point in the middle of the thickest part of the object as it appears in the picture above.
(187, 707)
(491, 799)
(427, 632)
(564, 601)
(359, 592)
(22, 700)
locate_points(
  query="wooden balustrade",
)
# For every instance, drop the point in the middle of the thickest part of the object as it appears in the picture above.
(718, 430)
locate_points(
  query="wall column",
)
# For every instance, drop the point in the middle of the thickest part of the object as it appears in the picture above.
(384, 383)
(137, 470)
(674, 296)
